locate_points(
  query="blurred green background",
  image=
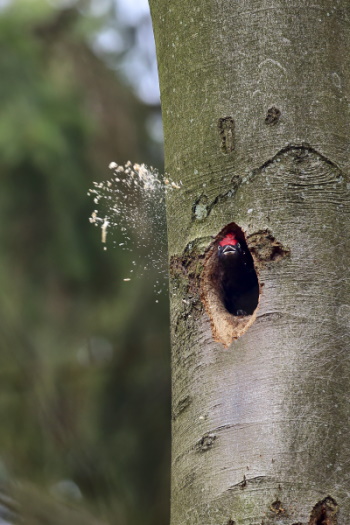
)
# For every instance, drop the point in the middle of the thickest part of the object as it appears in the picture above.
(84, 356)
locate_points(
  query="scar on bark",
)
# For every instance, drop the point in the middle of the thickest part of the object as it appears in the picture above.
(272, 116)
(185, 271)
(227, 323)
(226, 127)
(206, 442)
(324, 512)
(277, 507)
(181, 406)
(265, 249)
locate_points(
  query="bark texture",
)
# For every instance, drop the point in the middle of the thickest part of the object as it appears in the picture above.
(255, 99)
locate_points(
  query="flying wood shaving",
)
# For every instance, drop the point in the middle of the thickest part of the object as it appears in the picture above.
(104, 230)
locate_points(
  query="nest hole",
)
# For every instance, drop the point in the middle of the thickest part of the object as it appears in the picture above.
(230, 287)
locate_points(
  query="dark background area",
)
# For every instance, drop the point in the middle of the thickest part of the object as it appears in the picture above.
(84, 356)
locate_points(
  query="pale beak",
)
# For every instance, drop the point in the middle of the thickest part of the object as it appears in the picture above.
(229, 248)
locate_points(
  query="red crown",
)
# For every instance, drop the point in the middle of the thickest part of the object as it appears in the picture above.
(228, 240)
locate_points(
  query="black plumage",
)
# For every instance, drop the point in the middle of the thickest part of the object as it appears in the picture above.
(239, 286)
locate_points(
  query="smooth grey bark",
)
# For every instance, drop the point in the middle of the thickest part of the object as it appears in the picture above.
(255, 98)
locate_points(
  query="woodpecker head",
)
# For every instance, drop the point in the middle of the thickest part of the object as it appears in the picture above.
(229, 246)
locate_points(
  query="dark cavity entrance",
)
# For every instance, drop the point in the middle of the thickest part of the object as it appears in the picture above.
(235, 275)
(229, 285)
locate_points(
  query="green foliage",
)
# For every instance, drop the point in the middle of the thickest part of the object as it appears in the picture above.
(83, 362)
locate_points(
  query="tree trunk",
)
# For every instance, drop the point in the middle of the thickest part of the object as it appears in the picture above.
(255, 99)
